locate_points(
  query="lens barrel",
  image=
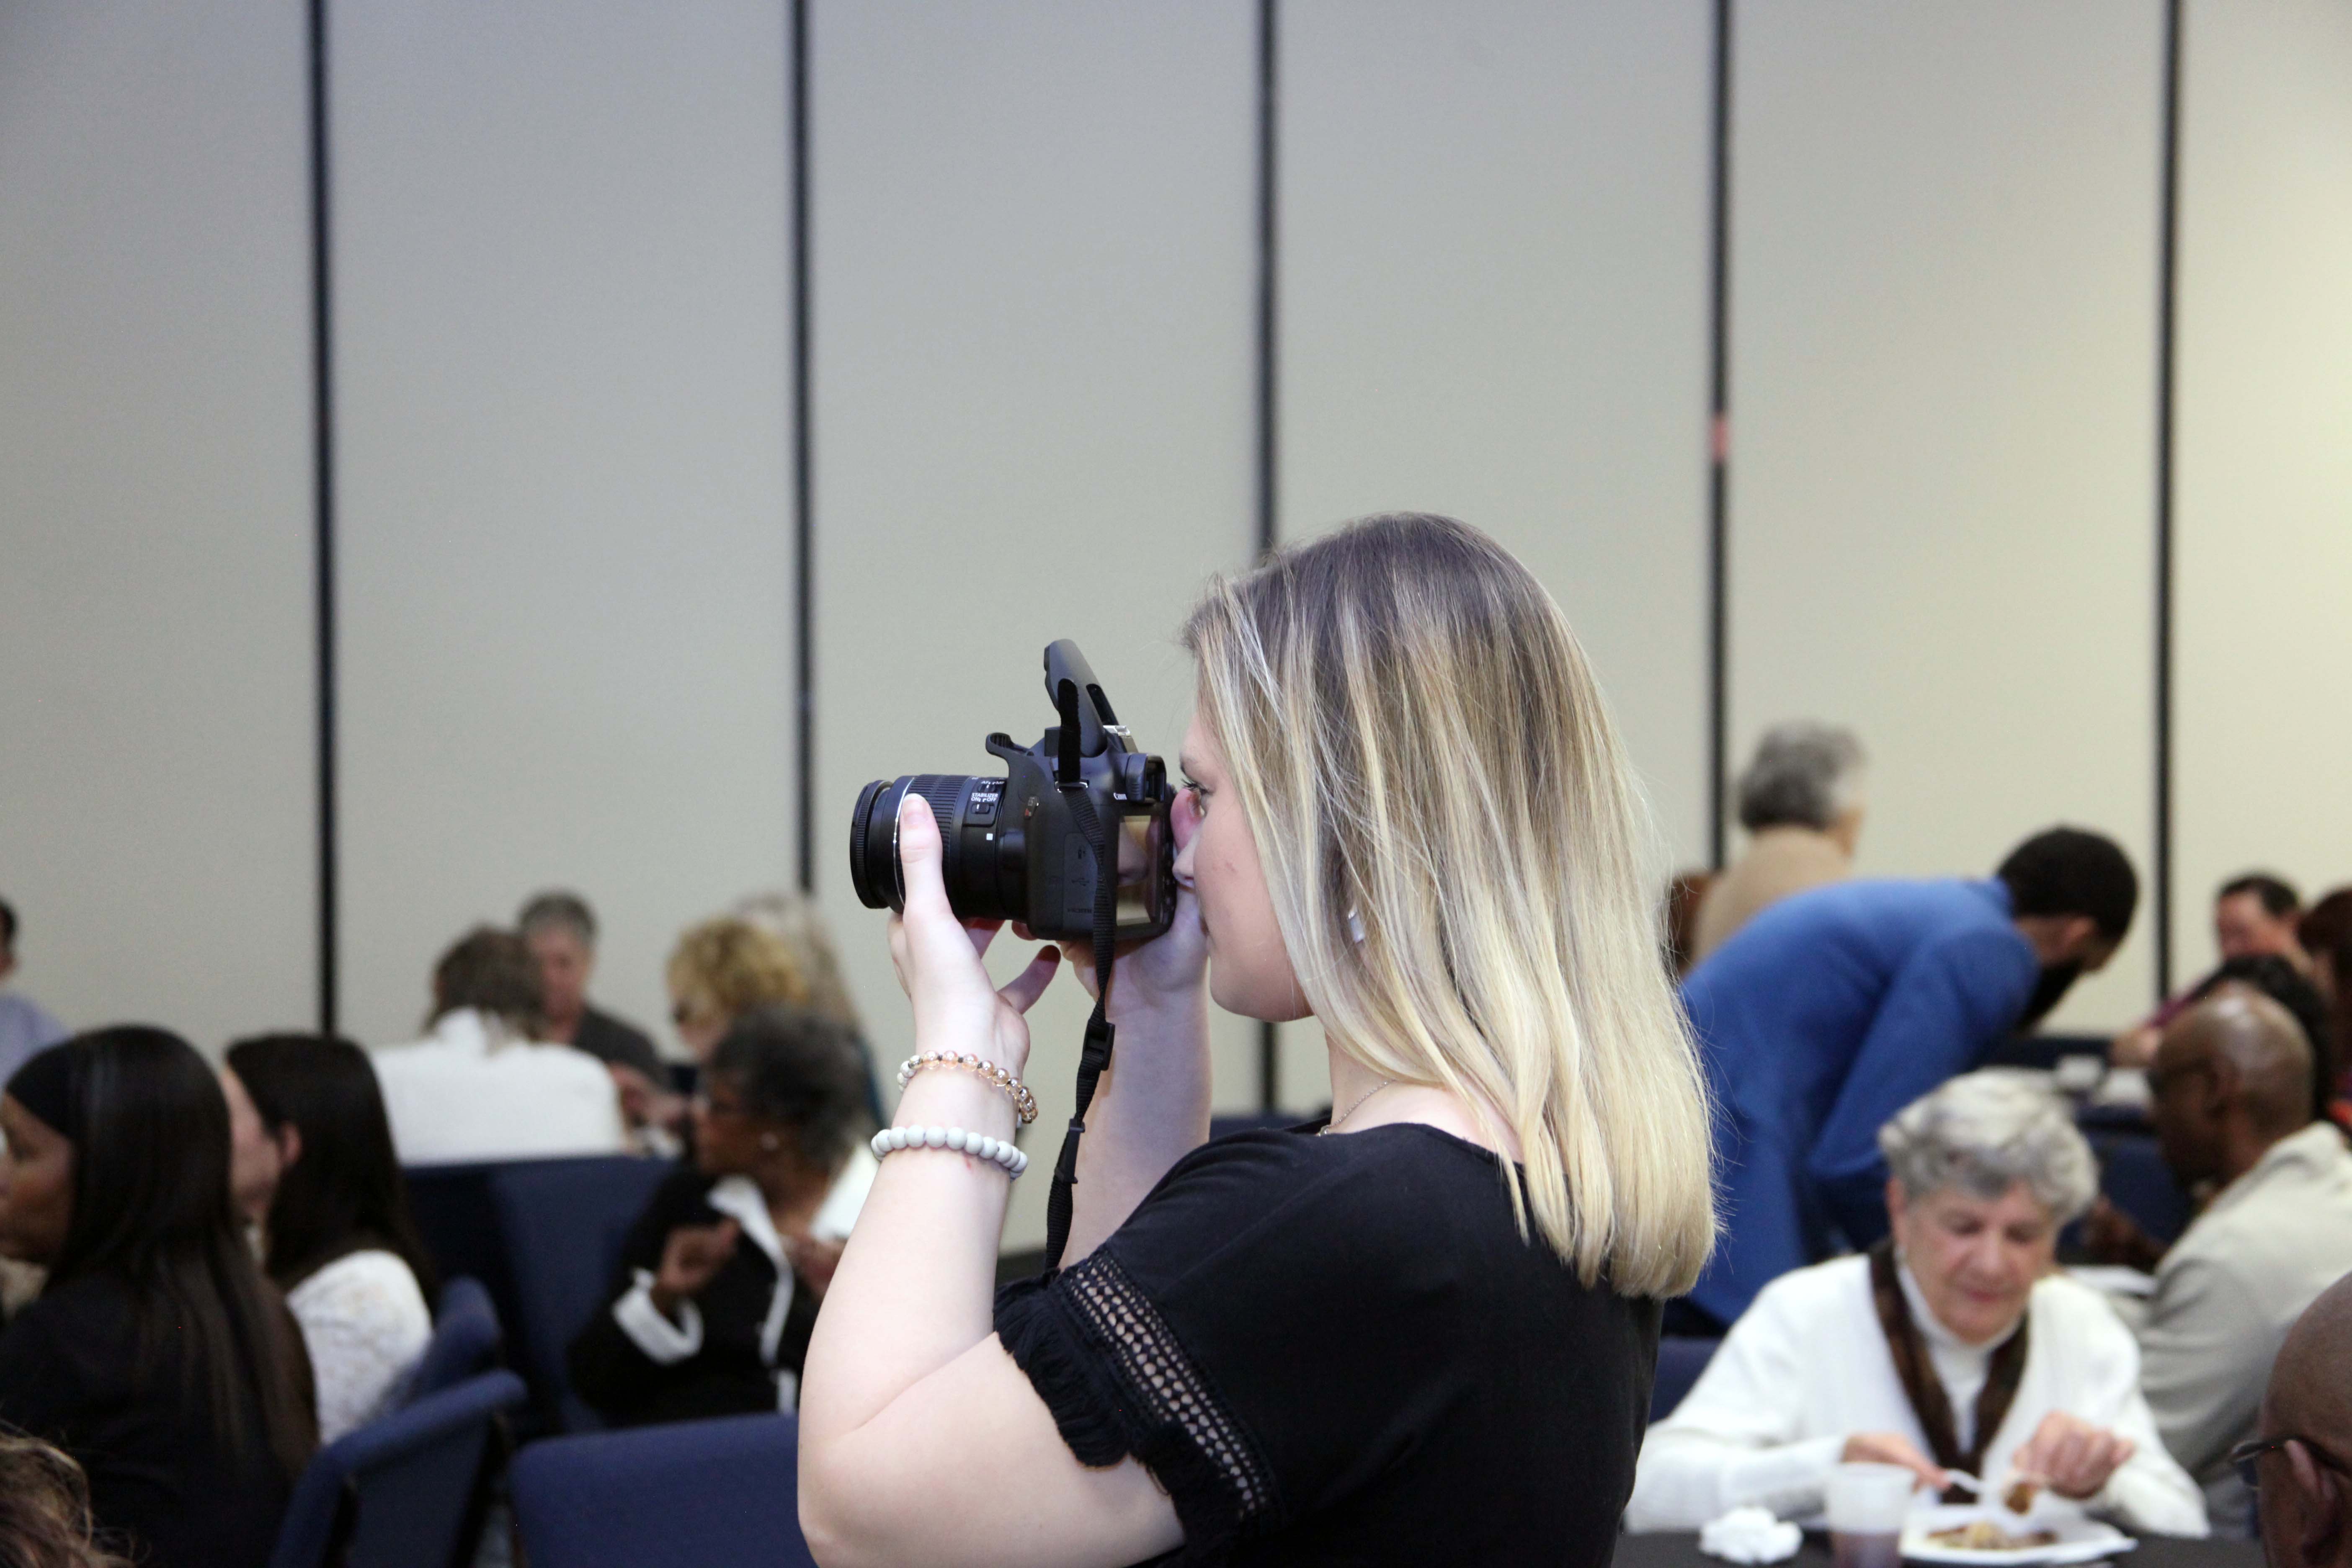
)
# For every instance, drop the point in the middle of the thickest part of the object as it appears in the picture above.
(980, 862)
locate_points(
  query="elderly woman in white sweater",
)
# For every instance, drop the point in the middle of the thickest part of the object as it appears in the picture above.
(1953, 1346)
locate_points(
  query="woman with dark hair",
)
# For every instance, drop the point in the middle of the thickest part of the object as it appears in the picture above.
(2326, 933)
(720, 1278)
(157, 1355)
(312, 1167)
(2282, 981)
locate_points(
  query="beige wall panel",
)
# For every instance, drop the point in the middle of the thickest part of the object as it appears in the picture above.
(2264, 464)
(567, 579)
(1493, 305)
(1943, 337)
(1033, 292)
(155, 781)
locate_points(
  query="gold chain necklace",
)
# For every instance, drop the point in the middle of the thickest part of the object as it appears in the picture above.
(1333, 1125)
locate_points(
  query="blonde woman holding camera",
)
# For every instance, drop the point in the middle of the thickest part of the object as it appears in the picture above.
(1426, 1336)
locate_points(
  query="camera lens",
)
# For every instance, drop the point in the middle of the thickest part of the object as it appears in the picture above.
(980, 860)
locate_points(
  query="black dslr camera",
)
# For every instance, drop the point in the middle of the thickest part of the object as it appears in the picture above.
(1025, 847)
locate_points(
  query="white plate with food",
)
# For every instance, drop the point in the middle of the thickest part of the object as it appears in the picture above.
(1980, 1534)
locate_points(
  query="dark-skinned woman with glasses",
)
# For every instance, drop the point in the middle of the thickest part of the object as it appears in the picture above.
(720, 1279)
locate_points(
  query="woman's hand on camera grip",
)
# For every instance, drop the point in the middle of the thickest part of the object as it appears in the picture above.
(957, 1007)
(1165, 974)
(1168, 975)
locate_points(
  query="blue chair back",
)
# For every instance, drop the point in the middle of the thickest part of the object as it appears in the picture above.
(691, 1494)
(399, 1492)
(1680, 1360)
(2135, 1178)
(564, 1222)
(2044, 1052)
(459, 1220)
(466, 1340)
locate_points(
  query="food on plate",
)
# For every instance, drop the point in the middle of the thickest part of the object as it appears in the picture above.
(1984, 1535)
(2019, 1495)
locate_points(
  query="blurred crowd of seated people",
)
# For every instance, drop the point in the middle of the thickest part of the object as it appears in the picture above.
(217, 1269)
(214, 1270)
(1884, 1187)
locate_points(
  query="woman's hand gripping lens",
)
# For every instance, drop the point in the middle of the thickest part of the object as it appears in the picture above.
(957, 1007)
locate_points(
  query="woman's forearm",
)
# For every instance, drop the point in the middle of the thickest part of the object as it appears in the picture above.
(917, 1281)
(1151, 1109)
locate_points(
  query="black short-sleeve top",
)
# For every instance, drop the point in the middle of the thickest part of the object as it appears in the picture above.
(1341, 1350)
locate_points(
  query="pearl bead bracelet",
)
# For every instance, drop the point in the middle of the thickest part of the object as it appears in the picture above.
(890, 1139)
(1024, 1104)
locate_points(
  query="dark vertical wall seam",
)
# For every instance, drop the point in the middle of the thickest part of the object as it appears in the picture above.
(2167, 291)
(803, 526)
(1269, 25)
(322, 401)
(1718, 582)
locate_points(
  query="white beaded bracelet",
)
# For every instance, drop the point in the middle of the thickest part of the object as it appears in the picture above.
(890, 1139)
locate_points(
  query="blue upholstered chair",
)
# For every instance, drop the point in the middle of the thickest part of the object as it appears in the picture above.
(1680, 1360)
(400, 1492)
(701, 1493)
(563, 1222)
(466, 1340)
(2133, 1177)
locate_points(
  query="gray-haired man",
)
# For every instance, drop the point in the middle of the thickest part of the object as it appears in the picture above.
(1801, 801)
(562, 931)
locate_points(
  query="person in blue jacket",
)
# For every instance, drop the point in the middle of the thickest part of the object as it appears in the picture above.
(1833, 1009)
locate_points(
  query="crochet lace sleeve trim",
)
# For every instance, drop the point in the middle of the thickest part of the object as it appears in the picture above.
(1127, 1387)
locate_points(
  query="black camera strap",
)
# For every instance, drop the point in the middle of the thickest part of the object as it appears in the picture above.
(1094, 1055)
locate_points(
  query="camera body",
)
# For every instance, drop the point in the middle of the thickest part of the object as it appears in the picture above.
(1022, 847)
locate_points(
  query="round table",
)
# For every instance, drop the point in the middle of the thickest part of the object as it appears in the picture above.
(1674, 1549)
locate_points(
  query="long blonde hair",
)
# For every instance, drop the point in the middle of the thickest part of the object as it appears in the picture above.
(1417, 741)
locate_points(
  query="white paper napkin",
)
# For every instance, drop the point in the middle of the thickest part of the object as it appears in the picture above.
(1750, 1534)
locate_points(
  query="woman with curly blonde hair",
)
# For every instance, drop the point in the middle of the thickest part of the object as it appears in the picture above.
(1427, 1337)
(724, 968)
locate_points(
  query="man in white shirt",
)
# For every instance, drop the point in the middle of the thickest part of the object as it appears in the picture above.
(480, 1086)
(2232, 1089)
(1950, 1347)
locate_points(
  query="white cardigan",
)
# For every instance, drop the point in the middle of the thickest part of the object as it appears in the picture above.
(1807, 1366)
(365, 1324)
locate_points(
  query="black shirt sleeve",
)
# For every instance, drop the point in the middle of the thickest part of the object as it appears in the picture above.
(616, 1042)
(1239, 1336)
(41, 1384)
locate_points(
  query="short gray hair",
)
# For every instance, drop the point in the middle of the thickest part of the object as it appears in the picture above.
(558, 909)
(1984, 1131)
(1804, 774)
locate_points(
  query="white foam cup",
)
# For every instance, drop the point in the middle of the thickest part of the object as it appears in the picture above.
(1869, 1500)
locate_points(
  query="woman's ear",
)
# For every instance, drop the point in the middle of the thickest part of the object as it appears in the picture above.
(289, 1145)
